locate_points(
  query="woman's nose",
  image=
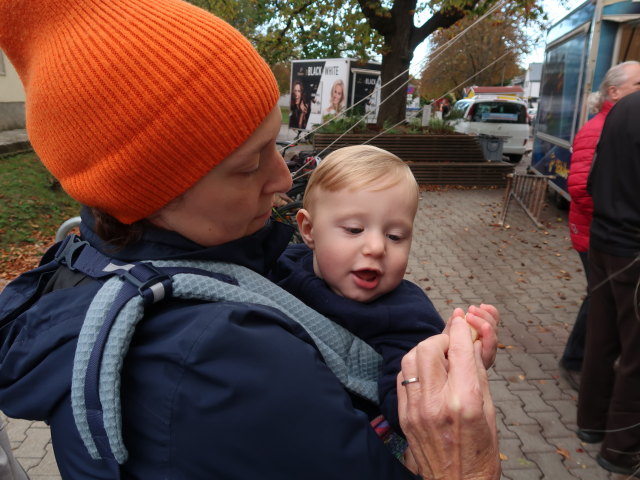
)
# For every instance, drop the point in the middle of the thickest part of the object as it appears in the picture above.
(280, 176)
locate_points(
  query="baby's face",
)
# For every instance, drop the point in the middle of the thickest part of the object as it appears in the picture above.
(361, 239)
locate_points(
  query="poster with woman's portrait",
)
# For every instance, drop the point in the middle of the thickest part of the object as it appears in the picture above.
(318, 88)
(305, 81)
(366, 94)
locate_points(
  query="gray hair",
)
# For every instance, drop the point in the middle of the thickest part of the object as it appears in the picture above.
(615, 77)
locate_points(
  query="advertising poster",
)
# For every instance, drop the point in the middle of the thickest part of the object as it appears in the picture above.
(366, 84)
(318, 88)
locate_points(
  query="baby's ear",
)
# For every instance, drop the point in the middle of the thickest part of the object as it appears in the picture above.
(305, 226)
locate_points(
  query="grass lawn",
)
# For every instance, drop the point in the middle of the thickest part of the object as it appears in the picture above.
(31, 211)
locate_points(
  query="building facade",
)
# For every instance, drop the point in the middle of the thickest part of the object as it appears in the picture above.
(12, 96)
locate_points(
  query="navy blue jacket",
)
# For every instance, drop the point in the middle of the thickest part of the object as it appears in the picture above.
(209, 390)
(392, 324)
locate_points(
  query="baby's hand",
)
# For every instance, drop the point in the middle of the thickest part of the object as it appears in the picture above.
(483, 321)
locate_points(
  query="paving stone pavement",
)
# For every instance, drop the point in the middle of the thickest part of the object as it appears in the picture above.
(461, 257)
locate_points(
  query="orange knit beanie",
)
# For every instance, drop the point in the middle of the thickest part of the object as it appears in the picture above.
(131, 102)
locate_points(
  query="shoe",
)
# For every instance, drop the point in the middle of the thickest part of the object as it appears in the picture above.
(630, 471)
(589, 436)
(572, 377)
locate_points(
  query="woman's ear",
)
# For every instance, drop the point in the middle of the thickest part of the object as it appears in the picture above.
(613, 94)
(305, 226)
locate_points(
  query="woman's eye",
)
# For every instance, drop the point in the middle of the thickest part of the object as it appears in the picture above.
(251, 170)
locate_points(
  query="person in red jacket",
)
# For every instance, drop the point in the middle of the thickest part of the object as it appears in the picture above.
(618, 82)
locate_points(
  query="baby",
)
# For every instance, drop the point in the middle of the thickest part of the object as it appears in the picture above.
(357, 226)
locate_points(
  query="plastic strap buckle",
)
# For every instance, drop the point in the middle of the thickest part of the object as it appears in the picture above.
(152, 284)
(69, 251)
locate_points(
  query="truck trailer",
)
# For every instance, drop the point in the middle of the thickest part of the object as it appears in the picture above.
(580, 48)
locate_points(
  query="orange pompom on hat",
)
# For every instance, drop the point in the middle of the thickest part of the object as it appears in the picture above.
(131, 102)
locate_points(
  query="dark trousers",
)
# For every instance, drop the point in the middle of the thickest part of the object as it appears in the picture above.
(609, 398)
(573, 354)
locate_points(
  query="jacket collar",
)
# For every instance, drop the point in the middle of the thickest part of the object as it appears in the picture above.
(258, 251)
(606, 106)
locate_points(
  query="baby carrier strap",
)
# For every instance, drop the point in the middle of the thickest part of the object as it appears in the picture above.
(119, 305)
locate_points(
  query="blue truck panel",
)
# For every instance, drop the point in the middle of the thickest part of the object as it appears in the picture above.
(565, 74)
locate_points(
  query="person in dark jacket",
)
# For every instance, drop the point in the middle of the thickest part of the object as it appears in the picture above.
(132, 106)
(357, 225)
(618, 82)
(609, 397)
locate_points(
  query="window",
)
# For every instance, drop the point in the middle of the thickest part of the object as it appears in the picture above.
(2, 72)
(561, 86)
(498, 112)
(458, 110)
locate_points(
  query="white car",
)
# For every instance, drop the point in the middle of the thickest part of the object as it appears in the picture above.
(499, 117)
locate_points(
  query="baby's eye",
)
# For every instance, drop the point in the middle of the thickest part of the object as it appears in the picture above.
(353, 230)
(398, 236)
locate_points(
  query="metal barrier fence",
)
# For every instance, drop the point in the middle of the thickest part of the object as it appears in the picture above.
(529, 191)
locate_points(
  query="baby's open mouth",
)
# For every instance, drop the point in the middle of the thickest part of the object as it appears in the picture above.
(367, 278)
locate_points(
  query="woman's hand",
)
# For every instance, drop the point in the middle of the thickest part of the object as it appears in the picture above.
(448, 415)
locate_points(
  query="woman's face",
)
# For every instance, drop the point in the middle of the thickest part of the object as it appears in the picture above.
(297, 91)
(337, 94)
(631, 84)
(234, 199)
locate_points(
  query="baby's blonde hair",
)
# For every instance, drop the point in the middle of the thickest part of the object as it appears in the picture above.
(358, 167)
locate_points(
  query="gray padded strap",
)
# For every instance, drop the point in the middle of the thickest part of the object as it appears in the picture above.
(353, 361)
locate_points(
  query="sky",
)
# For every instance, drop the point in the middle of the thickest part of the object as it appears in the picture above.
(555, 12)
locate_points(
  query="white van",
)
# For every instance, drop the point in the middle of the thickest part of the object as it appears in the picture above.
(491, 115)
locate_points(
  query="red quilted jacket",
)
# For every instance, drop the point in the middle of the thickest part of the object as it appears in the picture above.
(581, 208)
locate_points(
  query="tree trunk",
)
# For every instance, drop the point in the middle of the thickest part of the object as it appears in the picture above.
(396, 60)
(401, 37)
(393, 108)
